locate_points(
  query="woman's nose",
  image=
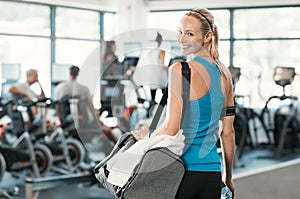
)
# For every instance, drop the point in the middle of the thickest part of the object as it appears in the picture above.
(181, 38)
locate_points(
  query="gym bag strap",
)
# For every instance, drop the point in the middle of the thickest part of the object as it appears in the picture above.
(186, 79)
(159, 173)
(185, 93)
(158, 112)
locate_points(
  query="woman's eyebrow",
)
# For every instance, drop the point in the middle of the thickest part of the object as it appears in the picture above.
(188, 30)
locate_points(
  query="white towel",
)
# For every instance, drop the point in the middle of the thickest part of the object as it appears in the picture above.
(121, 166)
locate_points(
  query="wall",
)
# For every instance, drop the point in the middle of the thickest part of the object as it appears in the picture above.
(188, 4)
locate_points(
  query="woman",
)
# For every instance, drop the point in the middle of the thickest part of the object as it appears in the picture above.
(151, 62)
(210, 94)
(158, 57)
(112, 66)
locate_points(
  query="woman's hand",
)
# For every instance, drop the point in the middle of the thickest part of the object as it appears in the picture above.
(230, 185)
(140, 134)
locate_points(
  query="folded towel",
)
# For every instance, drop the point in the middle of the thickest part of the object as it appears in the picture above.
(122, 165)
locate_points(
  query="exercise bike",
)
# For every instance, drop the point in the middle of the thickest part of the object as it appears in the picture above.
(18, 148)
(67, 151)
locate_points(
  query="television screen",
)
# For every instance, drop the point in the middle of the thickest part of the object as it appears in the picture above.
(130, 61)
(110, 92)
(60, 72)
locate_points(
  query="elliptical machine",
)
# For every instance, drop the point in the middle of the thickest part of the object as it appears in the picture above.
(286, 127)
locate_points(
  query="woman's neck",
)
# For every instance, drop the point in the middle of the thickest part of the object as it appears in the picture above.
(202, 53)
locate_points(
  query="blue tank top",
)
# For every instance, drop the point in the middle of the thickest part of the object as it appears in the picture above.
(200, 125)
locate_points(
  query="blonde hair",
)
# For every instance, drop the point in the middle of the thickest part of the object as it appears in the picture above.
(208, 24)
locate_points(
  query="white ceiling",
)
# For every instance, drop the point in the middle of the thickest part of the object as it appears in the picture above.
(183, 4)
(113, 5)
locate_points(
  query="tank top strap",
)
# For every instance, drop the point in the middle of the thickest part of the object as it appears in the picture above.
(210, 67)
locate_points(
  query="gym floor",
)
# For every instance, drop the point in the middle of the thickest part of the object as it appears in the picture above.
(253, 161)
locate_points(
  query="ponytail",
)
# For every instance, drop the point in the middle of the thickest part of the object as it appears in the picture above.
(213, 47)
(214, 52)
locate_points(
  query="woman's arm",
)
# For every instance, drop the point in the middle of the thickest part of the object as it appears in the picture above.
(174, 105)
(227, 137)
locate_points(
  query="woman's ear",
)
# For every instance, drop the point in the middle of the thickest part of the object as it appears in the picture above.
(208, 37)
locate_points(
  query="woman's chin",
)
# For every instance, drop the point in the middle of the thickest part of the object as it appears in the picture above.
(184, 53)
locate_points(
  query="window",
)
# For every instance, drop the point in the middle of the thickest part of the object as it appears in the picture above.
(25, 40)
(110, 24)
(222, 21)
(30, 53)
(165, 20)
(224, 52)
(74, 51)
(24, 18)
(262, 44)
(258, 59)
(77, 23)
(267, 23)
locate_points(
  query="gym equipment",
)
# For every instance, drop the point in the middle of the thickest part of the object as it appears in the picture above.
(285, 117)
(286, 122)
(244, 116)
(21, 152)
(64, 148)
(97, 138)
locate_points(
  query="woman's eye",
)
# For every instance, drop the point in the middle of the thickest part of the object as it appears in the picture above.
(190, 34)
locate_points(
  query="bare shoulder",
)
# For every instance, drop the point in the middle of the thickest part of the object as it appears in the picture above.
(175, 67)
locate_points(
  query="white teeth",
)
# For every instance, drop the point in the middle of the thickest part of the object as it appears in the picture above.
(184, 46)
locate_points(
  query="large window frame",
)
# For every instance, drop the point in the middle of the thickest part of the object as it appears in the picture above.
(257, 68)
(52, 37)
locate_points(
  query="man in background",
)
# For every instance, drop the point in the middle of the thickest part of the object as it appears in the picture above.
(22, 90)
(73, 89)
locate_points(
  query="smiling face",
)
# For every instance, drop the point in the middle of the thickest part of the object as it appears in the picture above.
(190, 35)
(191, 38)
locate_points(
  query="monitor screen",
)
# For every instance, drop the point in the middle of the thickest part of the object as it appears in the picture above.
(110, 92)
(60, 72)
(130, 61)
(11, 71)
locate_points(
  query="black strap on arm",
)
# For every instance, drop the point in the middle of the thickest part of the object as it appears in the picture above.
(186, 78)
(230, 111)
